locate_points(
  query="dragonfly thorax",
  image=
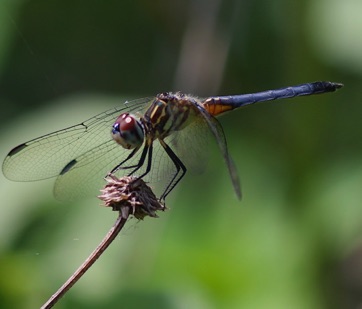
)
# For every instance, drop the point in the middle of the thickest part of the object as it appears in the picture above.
(127, 131)
(169, 112)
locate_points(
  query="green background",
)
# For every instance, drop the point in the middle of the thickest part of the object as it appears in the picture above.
(294, 241)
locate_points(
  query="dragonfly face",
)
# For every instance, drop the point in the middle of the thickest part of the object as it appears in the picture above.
(128, 132)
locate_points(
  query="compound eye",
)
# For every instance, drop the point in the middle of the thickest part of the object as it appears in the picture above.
(127, 131)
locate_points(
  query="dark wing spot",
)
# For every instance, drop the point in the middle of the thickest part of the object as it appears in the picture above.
(17, 149)
(68, 167)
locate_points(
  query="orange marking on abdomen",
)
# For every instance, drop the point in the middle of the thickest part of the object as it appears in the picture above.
(216, 109)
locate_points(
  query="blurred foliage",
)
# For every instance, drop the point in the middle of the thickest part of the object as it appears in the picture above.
(295, 239)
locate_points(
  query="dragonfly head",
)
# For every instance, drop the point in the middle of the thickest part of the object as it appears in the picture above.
(127, 131)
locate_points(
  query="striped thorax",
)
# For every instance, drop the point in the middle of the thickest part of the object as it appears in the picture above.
(169, 112)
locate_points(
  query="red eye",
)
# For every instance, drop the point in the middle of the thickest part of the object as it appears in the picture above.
(126, 122)
(127, 131)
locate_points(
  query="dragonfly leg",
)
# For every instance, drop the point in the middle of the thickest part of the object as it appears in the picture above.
(146, 150)
(178, 164)
(119, 166)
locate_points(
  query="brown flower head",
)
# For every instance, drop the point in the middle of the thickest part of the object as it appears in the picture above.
(130, 195)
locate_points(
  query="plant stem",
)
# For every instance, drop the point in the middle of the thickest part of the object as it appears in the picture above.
(107, 240)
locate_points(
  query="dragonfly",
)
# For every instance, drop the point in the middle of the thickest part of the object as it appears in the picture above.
(154, 138)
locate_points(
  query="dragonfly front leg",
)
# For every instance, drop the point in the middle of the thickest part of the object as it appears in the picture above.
(119, 166)
(148, 149)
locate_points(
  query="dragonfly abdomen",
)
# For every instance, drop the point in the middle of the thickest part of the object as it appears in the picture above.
(218, 105)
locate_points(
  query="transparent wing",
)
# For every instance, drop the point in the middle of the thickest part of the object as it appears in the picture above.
(217, 131)
(82, 155)
(86, 176)
(48, 155)
(192, 144)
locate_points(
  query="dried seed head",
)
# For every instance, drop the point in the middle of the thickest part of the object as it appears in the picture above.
(130, 195)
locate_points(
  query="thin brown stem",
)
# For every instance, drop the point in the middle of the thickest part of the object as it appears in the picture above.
(107, 240)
